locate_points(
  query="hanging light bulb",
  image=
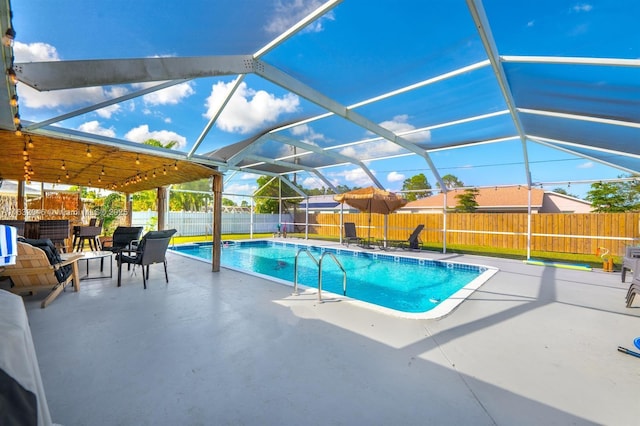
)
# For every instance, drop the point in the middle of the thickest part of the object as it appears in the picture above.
(63, 166)
(24, 150)
(67, 174)
(175, 165)
(164, 170)
(16, 118)
(14, 101)
(137, 158)
(154, 173)
(58, 179)
(102, 171)
(30, 144)
(88, 151)
(8, 37)
(19, 130)
(12, 76)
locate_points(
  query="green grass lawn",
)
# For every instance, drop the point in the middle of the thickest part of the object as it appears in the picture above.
(582, 259)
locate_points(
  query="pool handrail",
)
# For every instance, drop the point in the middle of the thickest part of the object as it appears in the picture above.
(344, 274)
(295, 268)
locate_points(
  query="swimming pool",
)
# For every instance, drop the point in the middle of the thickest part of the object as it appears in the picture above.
(402, 285)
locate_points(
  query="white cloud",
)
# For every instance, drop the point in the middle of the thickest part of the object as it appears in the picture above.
(353, 177)
(95, 128)
(531, 24)
(587, 165)
(382, 148)
(307, 134)
(241, 188)
(400, 124)
(248, 109)
(169, 96)
(312, 182)
(395, 177)
(582, 7)
(371, 150)
(288, 13)
(107, 112)
(248, 176)
(142, 133)
(34, 52)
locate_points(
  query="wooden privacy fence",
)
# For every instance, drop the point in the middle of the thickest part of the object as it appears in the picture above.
(579, 233)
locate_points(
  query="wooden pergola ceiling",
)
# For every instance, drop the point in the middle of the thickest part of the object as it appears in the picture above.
(64, 161)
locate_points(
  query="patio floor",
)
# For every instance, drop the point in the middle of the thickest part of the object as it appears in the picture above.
(534, 345)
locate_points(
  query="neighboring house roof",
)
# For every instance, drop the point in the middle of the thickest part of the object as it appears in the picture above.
(320, 202)
(513, 198)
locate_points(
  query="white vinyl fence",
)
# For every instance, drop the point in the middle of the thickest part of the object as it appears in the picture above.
(199, 223)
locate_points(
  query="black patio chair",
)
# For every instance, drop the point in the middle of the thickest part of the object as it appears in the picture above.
(350, 234)
(122, 238)
(413, 242)
(151, 249)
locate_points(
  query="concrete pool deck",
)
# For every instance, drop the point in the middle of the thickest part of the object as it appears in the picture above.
(534, 345)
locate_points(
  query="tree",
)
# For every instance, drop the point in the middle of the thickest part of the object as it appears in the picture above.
(227, 202)
(614, 197)
(144, 200)
(157, 143)
(191, 196)
(563, 191)
(271, 192)
(450, 181)
(112, 207)
(467, 201)
(419, 185)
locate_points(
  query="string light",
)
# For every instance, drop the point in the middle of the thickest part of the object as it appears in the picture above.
(12, 76)
(8, 37)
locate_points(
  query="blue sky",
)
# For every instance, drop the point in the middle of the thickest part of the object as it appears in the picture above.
(359, 50)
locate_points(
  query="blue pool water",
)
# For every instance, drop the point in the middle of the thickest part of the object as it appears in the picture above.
(400, 283)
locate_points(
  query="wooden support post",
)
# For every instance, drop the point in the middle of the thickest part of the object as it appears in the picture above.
(21, 201)
(129, 204)
(217, 222)
(162, 208)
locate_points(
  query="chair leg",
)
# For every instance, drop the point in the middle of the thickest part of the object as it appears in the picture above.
(166, 275)
(144, 278)
(119, 269)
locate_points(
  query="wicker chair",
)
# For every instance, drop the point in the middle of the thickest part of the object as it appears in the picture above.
(55, 230)
(34, 272)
